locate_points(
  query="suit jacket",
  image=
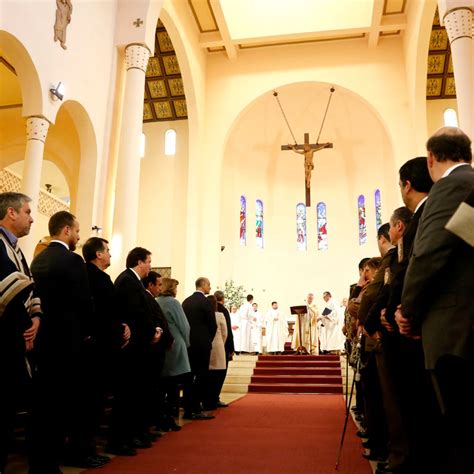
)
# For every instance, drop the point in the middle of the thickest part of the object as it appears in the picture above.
(373, 288)
(62, 285)
(166, 339)
(398, 277)
(202, 322)
(106, 327)
(135, 310)
(229, 342)
(439, 283)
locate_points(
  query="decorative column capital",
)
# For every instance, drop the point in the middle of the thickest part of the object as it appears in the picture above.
(136, 56)
(36, 128)
(458, 23)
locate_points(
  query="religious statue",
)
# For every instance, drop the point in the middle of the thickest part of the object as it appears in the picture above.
(308, 153)
(63, 18)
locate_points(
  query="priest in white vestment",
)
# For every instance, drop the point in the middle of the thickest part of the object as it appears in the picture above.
(257, 326)
(235, 326)
(309, 328)
(246, 314)
(330, 339)
(276, 329)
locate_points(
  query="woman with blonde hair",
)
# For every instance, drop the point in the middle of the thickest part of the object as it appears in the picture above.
(176, 369)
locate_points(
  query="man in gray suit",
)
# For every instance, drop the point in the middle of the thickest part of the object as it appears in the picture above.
(437, 298)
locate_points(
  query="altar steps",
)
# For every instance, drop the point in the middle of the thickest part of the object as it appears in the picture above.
(297, 374)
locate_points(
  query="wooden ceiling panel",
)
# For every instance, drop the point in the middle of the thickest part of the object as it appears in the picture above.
(203, 15)
(394, 7)
(164, 91)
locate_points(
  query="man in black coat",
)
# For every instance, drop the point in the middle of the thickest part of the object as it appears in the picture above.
(62, 405)
(109, 334)
(130, 417)
(202, 321)
(437, 294)
(229, 342)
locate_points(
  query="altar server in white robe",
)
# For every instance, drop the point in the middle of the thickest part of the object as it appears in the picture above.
(246, 314)
(257, 326)
(276, 329)
(309, 328)
(235, 325)
(329, 337)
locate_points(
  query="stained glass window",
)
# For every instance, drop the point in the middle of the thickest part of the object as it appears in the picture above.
(321, 215)
(378, 209)
(259, 223)
(301, 241)
(362, 220)
(243, 221)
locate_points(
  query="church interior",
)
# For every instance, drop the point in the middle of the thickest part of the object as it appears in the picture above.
(160, 124)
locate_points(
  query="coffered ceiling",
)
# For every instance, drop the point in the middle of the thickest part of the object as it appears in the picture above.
(164, 91)
(440, 82)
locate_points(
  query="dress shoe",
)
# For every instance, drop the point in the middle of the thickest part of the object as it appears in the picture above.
(198, 416)
(90, 462)
(104, 459)
(121, 449)
(366, 444)
(222, 404)
(362, 434)
(150, 437)
(374, 457)
(141, 443)
(382, 464)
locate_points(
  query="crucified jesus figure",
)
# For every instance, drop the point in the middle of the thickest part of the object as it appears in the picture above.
(308, 152)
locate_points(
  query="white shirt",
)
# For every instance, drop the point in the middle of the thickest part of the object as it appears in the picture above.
(420, 204)
(61, 242)
(452, 168)
(136, 274)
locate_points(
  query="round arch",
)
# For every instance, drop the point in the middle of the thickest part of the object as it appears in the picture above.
(26, 72)
(84, 205)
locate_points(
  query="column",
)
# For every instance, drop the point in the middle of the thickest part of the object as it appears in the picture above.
(36, 131)
(125, 219)
(458, 23)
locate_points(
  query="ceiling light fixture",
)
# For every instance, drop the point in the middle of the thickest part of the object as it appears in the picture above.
(57, 92)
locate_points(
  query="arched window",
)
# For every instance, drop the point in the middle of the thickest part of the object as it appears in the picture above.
(259, 223)
(450, 118)
(301, 240)
(243, 221)
(170, 142)
(378, 209)
(322, 222)
(362, 220)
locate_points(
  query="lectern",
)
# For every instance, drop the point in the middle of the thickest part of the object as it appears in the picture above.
(300, 311)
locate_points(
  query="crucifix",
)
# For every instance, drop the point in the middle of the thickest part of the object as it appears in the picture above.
(307, 149)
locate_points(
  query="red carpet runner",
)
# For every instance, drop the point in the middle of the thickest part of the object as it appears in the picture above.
(297, 374)
(258, 434)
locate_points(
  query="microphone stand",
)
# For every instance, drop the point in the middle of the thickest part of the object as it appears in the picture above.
(356, 379)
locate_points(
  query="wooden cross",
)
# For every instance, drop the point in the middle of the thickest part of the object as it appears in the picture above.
(308, 150)
(138, 22)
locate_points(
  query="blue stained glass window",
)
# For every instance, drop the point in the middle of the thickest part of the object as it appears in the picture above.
(362, 220)
(243, 221)
(378, 209)
(259, 223)
(301, 239)
(322, 222)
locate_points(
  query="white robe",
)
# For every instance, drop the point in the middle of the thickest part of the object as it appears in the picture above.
(257, 335)
(246, 313)
(276, 331)
(329, 337)
(235, 322)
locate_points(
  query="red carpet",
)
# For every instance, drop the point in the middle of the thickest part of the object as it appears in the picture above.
(264, 434)
(297, 374)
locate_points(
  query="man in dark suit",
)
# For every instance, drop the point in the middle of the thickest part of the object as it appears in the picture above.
(229, 342)
(202, 321)
(159, 414)
(130, 418)
(63, 402)
(109, 334)
(437, 294)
